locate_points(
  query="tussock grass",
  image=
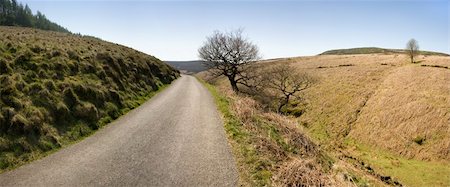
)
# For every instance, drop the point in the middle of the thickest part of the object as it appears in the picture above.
(57, 88)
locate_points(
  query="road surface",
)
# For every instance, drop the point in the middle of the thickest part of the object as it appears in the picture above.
(174, 139)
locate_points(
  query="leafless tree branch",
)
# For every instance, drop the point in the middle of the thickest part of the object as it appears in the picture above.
(229, 54)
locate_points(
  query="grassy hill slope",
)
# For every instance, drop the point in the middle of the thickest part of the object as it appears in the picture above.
(380, 108)
(374, 50)
(56, 88)
(378, 116)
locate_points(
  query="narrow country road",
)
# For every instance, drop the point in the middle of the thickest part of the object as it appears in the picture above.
(174, 139)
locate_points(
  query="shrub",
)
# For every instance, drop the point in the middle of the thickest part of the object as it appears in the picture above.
(295, 108)
(294, 111)
(420, 140)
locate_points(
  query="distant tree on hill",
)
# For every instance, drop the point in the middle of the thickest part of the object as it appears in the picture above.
(16, 14)
(229, 54)
(412, 49)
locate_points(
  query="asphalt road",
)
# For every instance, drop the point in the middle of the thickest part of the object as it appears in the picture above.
(174, 139)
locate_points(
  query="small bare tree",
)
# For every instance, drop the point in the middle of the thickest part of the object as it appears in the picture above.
(286, 82)
(229, 54)
(412, 49)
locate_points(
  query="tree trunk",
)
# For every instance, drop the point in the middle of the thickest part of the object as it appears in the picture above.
(281, 106)
(233, 84)
(286, 101)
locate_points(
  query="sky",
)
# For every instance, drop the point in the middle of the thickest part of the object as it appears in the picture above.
(174, 30)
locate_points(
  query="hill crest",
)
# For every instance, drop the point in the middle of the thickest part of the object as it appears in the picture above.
(375, 50)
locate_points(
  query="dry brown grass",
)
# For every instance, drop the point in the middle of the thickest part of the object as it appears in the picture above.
(271, 149)
(381, 100)
(410, 103)
(400, 111)
(301, 173)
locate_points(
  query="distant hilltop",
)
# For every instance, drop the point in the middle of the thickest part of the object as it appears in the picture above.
(374, 50)
(188, 67)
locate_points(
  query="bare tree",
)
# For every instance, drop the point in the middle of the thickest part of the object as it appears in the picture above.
(286, 82)
(412, 49)
(229, 54)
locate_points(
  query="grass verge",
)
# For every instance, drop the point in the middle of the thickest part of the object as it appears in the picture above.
(240, 141)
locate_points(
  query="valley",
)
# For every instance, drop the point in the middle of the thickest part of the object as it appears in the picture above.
(375, 111)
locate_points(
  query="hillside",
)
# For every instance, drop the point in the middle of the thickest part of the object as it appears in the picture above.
(188, 66)
(380, 108)
(57, 88)
(13, 13)
(375, 50)
(378, 116)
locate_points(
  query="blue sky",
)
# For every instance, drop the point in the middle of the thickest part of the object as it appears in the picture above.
(174, 30)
